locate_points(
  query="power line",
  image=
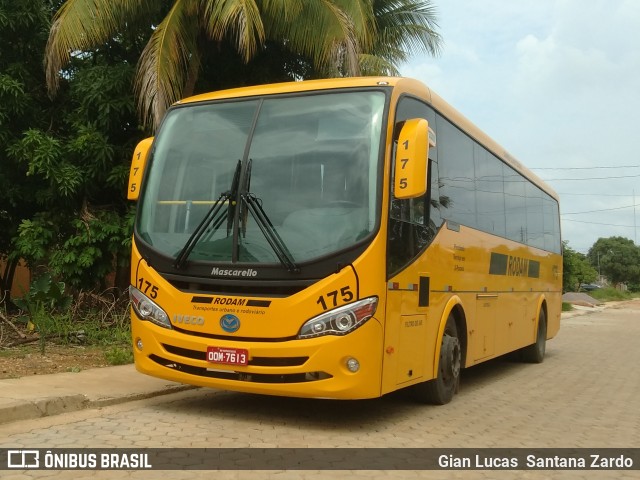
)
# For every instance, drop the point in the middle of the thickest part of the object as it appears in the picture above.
(596, 194)
(582, 168)
(596, 223)
(603, 210)
(590, 178)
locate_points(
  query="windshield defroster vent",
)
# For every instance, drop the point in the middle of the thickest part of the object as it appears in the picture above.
(231, 287)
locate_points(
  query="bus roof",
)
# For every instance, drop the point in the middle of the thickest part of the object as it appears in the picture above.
(403, 85)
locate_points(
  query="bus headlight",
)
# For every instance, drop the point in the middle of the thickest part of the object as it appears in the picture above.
(147, 309)
(341, 320)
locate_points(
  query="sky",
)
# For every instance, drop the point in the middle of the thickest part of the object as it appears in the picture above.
(557, 84)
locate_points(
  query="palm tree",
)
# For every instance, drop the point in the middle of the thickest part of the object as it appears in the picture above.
(337, 36)
(403, 27)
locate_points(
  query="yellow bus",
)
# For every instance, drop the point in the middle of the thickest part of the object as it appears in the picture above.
(339, 238)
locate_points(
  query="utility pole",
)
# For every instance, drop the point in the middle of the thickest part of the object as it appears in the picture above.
(635, 228)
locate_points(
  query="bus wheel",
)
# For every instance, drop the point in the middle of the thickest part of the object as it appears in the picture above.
(441, 389)
(534, 353)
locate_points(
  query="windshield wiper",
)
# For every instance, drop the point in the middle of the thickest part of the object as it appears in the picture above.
(216, 215)
(213, 219)
(254, 205)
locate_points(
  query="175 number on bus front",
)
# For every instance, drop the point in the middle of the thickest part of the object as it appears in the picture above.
(147, 288)
(330, 299)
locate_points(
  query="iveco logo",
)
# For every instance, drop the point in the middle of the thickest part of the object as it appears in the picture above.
(188, 319)
(230, 323)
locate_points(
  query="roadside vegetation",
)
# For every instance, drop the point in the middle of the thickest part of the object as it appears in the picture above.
(613, 295)
(615, 259)
(610, 261)
(90, 322)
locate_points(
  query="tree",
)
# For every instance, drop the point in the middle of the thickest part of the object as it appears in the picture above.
(329, 37)
(576, 269)
(617, 258)
(23, 104)
(403, 27)
(64, 161)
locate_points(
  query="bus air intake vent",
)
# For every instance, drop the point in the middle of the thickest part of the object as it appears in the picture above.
(254, 361)
(241, 376)
(234, 287)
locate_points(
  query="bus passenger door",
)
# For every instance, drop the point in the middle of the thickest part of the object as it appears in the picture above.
(482, 332)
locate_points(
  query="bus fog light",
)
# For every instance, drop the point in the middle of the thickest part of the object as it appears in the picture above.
(139, 344)
(353, 365)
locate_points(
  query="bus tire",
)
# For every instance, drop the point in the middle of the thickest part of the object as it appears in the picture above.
(534, 353)
(441, 389)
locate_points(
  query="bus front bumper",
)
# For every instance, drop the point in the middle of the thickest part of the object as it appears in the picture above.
(321, 367)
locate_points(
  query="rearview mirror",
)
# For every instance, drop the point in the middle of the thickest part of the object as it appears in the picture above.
(411, 162)
(138, 164)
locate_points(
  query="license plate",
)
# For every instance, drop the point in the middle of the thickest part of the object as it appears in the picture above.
(228, 356)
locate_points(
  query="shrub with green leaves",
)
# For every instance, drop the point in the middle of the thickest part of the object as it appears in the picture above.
(44, 300)
(44, 296)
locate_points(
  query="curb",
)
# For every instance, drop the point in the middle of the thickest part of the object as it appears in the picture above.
(28, 398)
(16, 410)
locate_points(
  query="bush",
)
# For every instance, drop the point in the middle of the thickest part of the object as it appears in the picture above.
(88, 320)
(610, 294)
(119, 355)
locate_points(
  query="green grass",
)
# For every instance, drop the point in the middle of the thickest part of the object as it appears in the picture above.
(566, 307)
(114, 331)
(611, 295)
(119, 355)
(14, 352)
(113, 334)
(105, 324)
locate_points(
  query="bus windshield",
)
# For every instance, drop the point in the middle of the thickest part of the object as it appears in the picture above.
(279, 179)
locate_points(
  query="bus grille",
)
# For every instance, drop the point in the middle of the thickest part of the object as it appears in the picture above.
(241, 376)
